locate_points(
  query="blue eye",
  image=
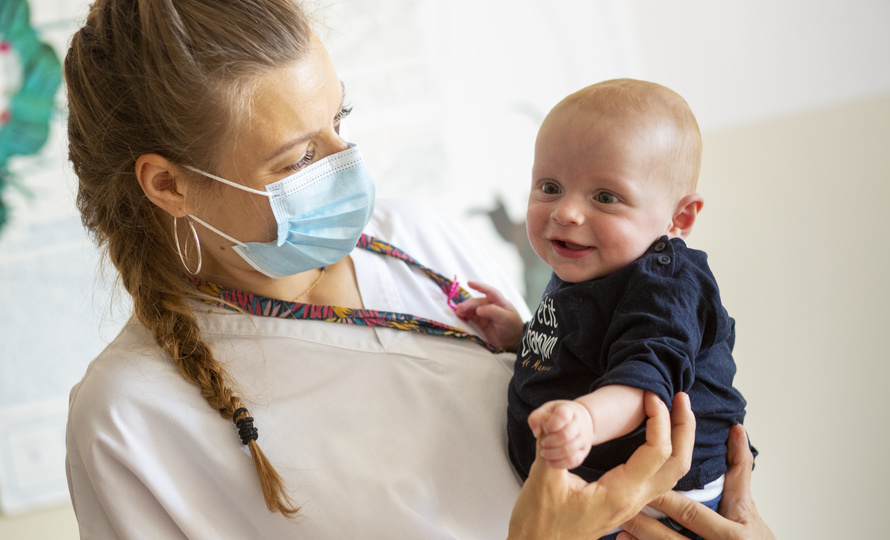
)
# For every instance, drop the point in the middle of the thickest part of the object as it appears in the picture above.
(606, 198)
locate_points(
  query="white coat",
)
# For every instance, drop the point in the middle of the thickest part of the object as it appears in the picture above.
(378, 433)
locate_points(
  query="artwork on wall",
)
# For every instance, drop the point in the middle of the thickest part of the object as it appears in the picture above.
(30, 76)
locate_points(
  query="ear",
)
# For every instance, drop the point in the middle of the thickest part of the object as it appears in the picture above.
(162, 183)
(684, 216)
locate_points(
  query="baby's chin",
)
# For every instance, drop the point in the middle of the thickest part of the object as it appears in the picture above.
(576, 275)
(579, 273)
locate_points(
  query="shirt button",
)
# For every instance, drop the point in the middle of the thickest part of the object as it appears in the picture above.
(659, 246)
(664, 259)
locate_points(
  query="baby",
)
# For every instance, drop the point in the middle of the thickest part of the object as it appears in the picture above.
(629, 307)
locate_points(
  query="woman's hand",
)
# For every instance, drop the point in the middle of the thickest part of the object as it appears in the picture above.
(739, 519)
(555, 504)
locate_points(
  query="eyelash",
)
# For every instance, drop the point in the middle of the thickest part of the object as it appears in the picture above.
(305, 160)
(345, 110)
(310, 153)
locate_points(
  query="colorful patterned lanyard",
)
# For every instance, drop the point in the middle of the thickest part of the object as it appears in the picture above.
(273, 307)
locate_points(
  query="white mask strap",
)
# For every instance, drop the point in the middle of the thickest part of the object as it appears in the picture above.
(229, 182)
(217, 231)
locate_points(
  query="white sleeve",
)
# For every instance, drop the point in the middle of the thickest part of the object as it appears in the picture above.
(147, 457)
(109, 498)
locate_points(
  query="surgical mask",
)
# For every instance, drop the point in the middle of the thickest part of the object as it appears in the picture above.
(321, 211)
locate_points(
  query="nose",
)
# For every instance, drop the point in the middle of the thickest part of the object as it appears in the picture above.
(331, 143)
(568, 211)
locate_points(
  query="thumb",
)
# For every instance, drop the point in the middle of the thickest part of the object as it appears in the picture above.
(543, 474)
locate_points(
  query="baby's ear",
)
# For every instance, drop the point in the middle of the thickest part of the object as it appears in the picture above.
(685, 214)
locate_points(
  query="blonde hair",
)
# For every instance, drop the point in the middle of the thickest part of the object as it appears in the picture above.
(171, 78)
(651, 100)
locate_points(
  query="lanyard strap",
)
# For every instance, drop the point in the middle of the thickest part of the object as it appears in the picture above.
(450, 287)
(273, 307)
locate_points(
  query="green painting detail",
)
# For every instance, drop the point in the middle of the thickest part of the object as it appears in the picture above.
(30, 75)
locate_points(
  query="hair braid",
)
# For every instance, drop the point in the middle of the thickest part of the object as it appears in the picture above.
(153, 77)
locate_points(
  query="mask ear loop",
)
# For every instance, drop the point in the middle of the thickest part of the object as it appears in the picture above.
(229, 182)
(183, 254)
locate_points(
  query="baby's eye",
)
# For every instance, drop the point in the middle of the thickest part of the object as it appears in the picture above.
(606, 198)
(550, 188)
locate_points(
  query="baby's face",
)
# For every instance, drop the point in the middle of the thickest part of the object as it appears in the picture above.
(600, 195)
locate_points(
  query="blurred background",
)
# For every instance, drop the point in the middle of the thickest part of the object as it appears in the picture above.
(793, 99)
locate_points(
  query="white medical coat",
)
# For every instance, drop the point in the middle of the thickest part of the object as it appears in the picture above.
(378, 433)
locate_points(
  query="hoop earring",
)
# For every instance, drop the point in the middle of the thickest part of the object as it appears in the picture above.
(183, 254)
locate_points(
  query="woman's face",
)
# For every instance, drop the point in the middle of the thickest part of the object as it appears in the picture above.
(292, 119)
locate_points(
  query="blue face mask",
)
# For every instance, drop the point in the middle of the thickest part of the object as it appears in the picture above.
(321, 212)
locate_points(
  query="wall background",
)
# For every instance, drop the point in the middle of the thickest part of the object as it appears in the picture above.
(794, 104)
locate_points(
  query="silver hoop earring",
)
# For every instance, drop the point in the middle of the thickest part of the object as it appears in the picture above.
(183, 254)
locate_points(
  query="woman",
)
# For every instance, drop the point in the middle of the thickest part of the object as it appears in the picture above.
(205, 139)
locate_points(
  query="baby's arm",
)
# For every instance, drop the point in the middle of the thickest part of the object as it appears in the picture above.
(567, 429)
(494, 315)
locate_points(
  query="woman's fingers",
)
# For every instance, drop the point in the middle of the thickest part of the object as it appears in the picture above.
(656, 466)
(545, 490)
(738, 516)
(643, 527)
(682, 435)
(737, 484)
(554, 503)
(692, 515)
(649, 458)
(667, 453)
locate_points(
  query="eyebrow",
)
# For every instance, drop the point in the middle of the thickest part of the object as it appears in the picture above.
(303, 138)
(292, 144)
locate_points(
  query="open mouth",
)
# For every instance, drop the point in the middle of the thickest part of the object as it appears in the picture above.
(569, 250)
(570, 246)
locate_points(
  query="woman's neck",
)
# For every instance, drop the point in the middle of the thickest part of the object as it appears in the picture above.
(337, 286)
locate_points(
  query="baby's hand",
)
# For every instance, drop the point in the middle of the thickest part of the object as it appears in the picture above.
(565, 430)
(494, 315)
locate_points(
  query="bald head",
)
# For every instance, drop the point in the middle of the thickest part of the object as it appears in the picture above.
(663, 118)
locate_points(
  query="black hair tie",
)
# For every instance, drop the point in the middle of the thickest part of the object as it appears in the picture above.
(245, 427)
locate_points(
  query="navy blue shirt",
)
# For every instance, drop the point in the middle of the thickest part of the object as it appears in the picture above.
(656, 324)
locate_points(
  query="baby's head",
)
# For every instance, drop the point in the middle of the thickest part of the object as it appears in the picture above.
(616, 167)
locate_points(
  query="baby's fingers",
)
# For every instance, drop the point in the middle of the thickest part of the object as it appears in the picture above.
(561, 415)
(492, 295)
(549, 418)
(565, 456)
(483, 288)
(565, 436)
(468, 307)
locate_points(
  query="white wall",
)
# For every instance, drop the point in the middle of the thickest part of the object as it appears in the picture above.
(792, 98)
(741, 62)
(796, 231)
